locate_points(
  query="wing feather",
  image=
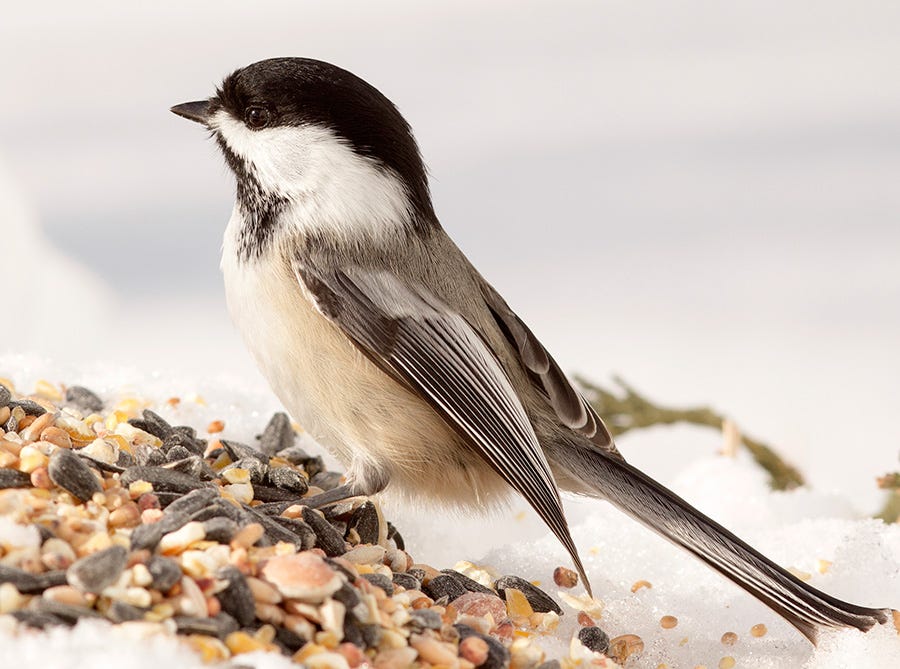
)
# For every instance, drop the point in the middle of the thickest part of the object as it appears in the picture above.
(415, 337)
(570, 406)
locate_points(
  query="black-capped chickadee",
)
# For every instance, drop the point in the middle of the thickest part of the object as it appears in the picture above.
(389, 347)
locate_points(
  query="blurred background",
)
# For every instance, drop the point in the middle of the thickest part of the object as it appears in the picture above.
(702, 197)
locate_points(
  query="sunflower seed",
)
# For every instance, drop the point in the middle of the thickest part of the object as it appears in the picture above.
(540, 601)
(381, 581)
(183, 440)
(220, 529)
(125, 460)
(238, 451)
(176, 453)
(306, 537)
(84, 399)
(151, 457)
(407, 581)
(70, 473)
(49, 579)
(120, 612)
(394, 535)
(288, 479)
(255, 466)
(37, 619)
(166, 572)
(268, 494)
(98, 570)
(162, 479)
(291, 641)
(25, 582)
(426, 619)
(469, 584)
(327, 538)
(365, 521)
(274, 530)
(443, 586)
(193, 466)
(220, 626)
(294, 454)
(347, 594)
(30, 407)
(11, 478)
(154, 424)
(191, 503)
(277, 436)
(237, 598)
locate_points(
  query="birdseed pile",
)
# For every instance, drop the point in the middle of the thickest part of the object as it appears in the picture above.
(111, 512)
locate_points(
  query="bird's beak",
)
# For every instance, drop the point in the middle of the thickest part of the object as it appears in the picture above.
(199, 112)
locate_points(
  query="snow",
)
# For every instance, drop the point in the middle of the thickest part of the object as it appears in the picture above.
(799, 529)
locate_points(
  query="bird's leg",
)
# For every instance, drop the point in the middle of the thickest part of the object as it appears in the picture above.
(371, 482)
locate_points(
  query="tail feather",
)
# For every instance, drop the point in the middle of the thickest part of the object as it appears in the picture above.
(635, 493)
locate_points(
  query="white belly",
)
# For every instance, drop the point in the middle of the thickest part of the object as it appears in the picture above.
(344, 401)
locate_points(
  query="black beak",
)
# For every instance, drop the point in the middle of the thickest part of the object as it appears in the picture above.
(198, 112)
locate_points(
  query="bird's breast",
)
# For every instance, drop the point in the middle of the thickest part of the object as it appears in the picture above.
(339, 396)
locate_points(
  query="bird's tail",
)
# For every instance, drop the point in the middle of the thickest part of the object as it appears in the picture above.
(635, 493)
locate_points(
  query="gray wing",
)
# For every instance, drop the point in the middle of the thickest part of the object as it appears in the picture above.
(571, 408)
(416, 338)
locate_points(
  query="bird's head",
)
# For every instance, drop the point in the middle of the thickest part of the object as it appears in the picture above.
(317, 146)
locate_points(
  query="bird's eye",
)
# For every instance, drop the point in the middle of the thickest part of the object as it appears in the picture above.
(257, 117)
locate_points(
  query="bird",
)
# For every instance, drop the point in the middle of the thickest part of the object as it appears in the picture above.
(381, 338)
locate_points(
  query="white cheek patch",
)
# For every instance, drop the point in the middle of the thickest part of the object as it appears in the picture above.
(328, 185)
